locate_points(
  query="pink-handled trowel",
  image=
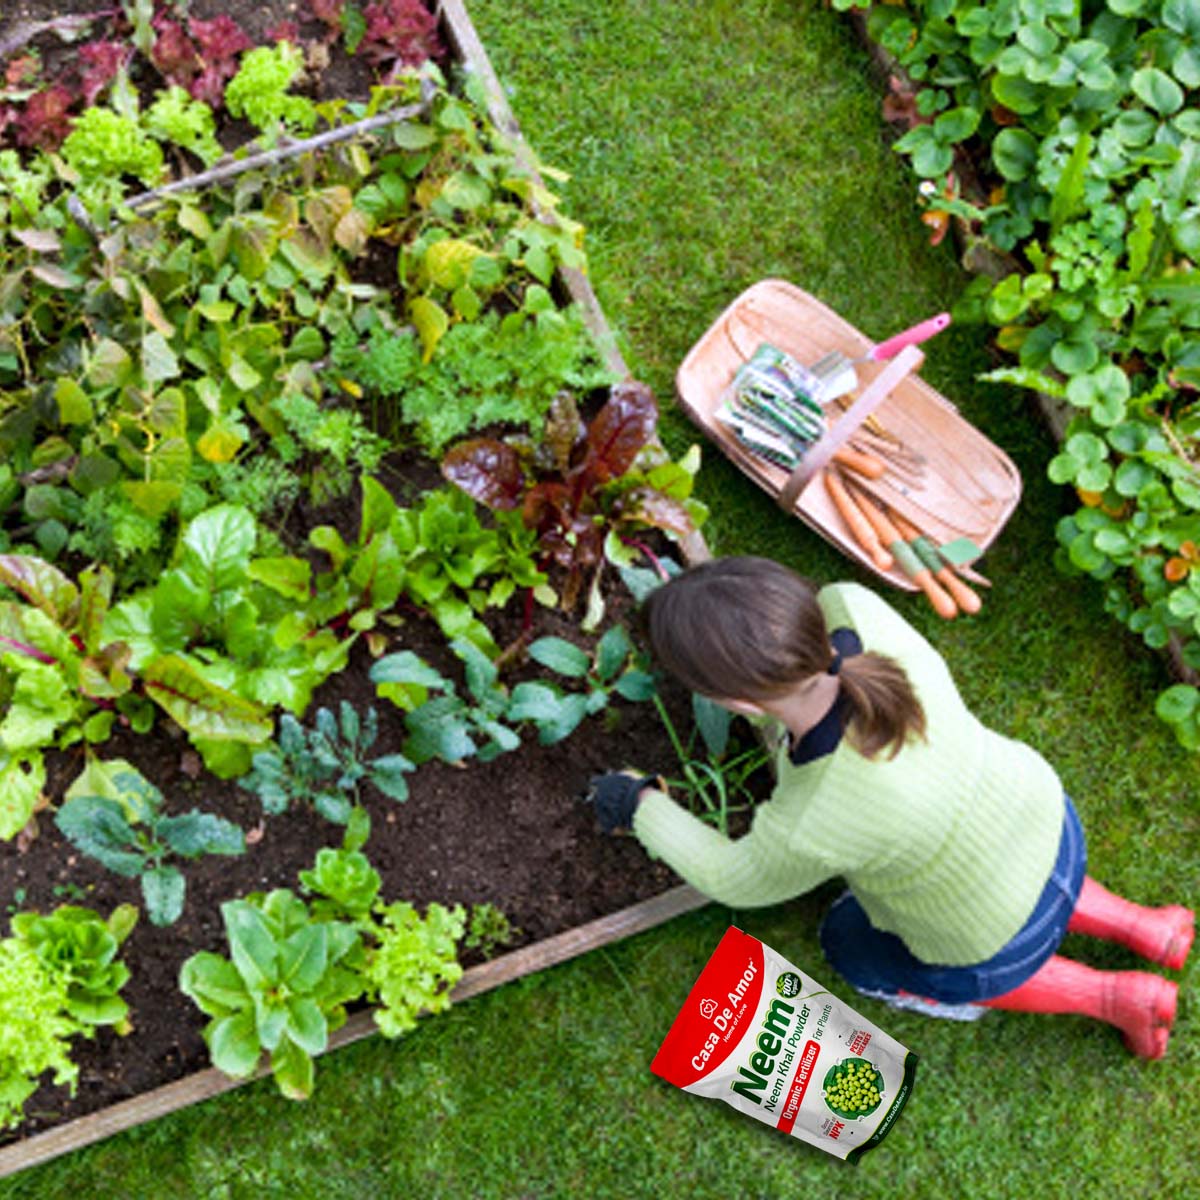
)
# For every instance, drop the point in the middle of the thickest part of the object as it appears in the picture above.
(836, 371)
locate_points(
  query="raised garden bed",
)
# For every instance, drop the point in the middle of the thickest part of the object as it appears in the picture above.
(508, 833)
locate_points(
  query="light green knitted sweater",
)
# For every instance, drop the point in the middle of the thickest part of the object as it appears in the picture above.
(948, 845)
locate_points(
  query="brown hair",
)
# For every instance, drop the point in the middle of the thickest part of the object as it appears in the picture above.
(750, 629)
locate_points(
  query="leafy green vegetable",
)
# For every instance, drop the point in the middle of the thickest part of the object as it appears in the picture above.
(59, 978)
(325, 766)
(104, 145)
(131, 834)
(283, 989)
(259, 91)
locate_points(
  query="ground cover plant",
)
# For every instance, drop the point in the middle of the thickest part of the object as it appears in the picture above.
(222, 408)
(680, 152)
(1078, 128)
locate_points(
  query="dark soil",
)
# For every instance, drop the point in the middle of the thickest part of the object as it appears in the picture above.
(513, 832)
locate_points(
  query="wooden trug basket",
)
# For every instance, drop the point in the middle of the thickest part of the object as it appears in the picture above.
(969, 486)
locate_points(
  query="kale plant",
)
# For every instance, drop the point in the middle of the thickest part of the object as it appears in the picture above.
(325, 765)
(126, 830)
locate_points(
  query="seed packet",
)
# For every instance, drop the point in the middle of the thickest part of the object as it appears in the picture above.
(760, 1034)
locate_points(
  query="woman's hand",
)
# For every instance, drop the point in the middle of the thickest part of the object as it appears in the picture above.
(614, 797)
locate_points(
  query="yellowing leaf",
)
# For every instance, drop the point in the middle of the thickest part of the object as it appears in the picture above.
(447, 263)
(218, 443)
(352, 231)
(431, 323)
(152, 311)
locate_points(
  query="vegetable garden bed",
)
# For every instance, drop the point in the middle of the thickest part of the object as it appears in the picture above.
(504, 836)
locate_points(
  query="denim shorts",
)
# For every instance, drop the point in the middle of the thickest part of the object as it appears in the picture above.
(874, 961)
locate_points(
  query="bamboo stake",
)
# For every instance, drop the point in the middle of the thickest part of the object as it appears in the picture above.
(281, 153)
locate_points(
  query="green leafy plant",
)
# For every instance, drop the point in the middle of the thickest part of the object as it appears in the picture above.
(59, 979)
(486, 372)
(77, 945)
(438, 555)
(35, 1029)
(283, 989)
(212, 643)
(60, 678)
(177, 117)
(714, 783)
(104, 144)
(488, 929)
(413, 964)
(446, 725)
(116, 816)
(581, 482)
(294, 966)
(325, 765)
(259, 90)
(1084, 125)
(615, 667)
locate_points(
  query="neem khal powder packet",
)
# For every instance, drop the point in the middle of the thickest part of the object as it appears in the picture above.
(765, 1037)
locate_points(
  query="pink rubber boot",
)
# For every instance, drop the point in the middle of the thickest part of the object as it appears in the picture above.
(1162, 935)
(1139, 1004)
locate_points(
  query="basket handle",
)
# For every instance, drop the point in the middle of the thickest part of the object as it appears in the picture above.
(905, 363)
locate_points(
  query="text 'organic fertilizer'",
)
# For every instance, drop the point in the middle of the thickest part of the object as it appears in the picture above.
(763, 1036)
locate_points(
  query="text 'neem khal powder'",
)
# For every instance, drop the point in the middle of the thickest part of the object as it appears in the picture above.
(760, 1034)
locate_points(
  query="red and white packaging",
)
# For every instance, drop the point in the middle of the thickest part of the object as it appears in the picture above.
(760, 1034)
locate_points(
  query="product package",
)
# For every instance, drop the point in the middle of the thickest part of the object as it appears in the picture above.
(760, 1034)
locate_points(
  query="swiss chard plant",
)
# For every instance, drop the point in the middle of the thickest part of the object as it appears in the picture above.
(116, 816)
(60, 679)
(580, 482)
(215, 642)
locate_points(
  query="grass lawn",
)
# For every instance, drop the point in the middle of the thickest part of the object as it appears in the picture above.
(711, 145)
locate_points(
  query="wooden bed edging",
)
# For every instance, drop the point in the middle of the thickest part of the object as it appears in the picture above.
(209, 1082)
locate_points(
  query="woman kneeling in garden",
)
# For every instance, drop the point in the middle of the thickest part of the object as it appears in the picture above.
(965, 860)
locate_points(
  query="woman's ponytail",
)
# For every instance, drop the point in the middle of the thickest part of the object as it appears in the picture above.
(885, 710)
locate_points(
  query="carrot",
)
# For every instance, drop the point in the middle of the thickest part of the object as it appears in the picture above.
(862, 530)
(863, 464)
(889, 535)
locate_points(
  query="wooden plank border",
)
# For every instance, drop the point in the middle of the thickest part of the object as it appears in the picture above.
(204, 1084)
(637, 918)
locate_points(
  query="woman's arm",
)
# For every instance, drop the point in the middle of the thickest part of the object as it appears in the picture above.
(755, 870)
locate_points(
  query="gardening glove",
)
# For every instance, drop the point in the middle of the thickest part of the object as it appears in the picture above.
(614, 797)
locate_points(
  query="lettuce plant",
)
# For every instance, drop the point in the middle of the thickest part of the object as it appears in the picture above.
(77, 945)
(259, 90)
(35, 1029)
(103, 145)
(281, 992)
(59, 979)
